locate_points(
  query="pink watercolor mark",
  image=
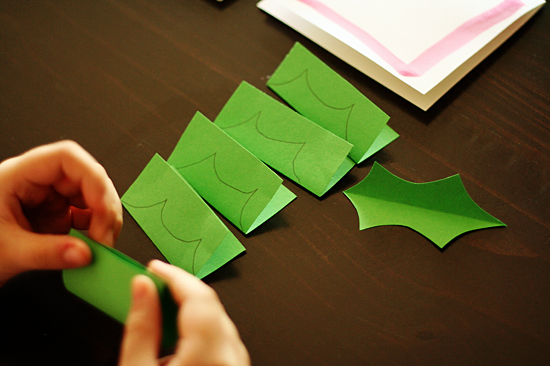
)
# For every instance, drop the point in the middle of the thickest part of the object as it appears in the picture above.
(433, 55)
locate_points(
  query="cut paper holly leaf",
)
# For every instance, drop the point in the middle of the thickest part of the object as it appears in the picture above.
(439, 210)
(106, 284)
(176, 219)
(286, 141)
(317, 92)
(227, 176)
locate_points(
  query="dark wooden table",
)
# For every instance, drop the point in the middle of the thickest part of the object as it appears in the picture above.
(124, 77)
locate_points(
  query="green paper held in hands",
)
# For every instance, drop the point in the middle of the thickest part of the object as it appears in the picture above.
(106, 284)
(317, 92)
(176, 219)
(228, 176)
(288, 142)
(439, 210)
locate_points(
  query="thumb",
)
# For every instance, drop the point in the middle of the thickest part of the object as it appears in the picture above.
(31, 251)
(142, 333)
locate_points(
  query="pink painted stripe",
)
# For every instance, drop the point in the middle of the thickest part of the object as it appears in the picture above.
(433, 55)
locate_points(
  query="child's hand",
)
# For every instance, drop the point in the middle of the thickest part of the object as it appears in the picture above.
(43, 193)
(207, 334)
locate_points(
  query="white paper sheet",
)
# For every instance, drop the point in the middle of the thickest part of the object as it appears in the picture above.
(407, 31)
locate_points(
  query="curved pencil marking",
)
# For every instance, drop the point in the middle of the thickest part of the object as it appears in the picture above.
(305, 74)
(213, 157)
(163, 203)
(246, 203)
(242, 123)
(302, 144)
(257, 118)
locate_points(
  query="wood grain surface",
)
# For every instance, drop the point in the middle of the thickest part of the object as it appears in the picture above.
(124, 77)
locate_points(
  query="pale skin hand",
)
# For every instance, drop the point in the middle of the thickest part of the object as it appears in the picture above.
(46, 191)
(43, 193)
(207, 334)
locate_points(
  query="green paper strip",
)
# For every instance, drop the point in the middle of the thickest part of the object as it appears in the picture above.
(288, 142)
(106, 284)
(317, 92)
(182, 226)
(227, 176)
(439, 210)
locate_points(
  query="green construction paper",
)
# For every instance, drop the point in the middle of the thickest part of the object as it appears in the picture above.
(439, 210)
(288, 142)
(317, 92)
(386, 136)
(182, 226)
(227, 176)
(226, 249)
(106, 284)
(280, 199)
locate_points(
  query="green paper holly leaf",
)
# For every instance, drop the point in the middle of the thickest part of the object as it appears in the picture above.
(439, 210)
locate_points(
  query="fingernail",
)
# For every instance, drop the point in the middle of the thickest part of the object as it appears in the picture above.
(157, 265)
(74, 256)
(109, 238)
(137, 289)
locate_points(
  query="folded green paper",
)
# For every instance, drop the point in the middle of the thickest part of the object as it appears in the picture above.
(182, 226)
(440, 210)
(288, 142)
(317, 92)
(228, 176)
(106, 284)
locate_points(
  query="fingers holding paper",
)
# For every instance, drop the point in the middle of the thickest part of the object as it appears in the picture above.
(43, 193)
(207, 334)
